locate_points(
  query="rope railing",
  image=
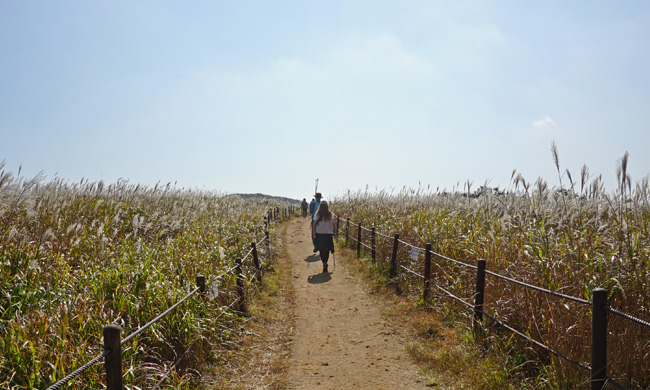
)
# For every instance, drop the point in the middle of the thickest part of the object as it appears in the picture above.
(79, 370)
(501, 323)
(260, 241)
(450, 295)
(113, 383)
(410, 271)
(543, 346)
(540, 289)
(250, 252)
(453, 260)
(614, 383)
(628, 317)
(189, 347)
(159, 317)
(599, 323)
(410, 245)
(383, 235)
(365, 228)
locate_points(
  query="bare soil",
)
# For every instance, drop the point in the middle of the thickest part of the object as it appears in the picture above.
(340, 340)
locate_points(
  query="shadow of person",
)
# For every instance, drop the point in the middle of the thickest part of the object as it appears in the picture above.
(313, 258)
(319, 278)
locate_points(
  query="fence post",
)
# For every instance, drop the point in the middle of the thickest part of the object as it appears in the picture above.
(347, 232)
(113, 361)
(427, 272)
(598, 338)
(372, 245)
(393, 258)
(359, 241)
(338, 222)
(268, 241)
(200, 283)
(480, 290)
(240, 286)
(256, 263)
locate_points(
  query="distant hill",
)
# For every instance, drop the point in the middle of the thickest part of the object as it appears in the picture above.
(269, 198)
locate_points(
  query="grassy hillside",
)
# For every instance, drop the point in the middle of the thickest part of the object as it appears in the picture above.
(75, 257)
(570, 240)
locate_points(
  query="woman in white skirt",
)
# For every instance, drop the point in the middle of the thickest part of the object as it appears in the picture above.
(323, 232)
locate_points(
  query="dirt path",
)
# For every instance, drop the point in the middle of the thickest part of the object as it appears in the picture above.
(341, 341)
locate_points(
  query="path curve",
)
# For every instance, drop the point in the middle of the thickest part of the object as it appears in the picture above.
(340, 339)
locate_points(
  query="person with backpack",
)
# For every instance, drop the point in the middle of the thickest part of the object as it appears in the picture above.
(313, 206)
(323, 232)
(304, 207)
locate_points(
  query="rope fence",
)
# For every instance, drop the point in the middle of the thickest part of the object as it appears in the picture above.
(540, 289)
(599, 306)
(112, 342)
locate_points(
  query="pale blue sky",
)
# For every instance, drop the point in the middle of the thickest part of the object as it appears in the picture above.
(267, 96)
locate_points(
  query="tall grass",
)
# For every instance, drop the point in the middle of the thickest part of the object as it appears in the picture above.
(75, 257)
(570, 239)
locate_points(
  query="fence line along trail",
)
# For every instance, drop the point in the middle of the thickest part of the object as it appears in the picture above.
(341, 341)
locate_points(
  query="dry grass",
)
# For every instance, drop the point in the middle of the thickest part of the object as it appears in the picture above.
(75, 257)
(563, 240)
(442, 346)
(261, 357)
(571, 240)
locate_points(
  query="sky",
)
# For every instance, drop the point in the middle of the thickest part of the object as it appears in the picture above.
(268, 96)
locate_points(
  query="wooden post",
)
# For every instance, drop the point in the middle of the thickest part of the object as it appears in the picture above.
(372, 245)
(268, 241)
(598, 338)
(256, 263)
(338, 222)
(113, 361)
(240, 286)
(200, 283)
(480, 291)
(359, 241)
(347, 232)
(427, 272)
(393, 258)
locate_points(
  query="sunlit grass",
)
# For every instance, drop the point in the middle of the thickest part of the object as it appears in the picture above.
(75, 257)
(571, 239)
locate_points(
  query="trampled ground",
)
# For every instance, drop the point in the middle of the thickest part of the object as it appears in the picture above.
(340, 340)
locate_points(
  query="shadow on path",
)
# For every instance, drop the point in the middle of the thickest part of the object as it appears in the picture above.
(319, 278)
(313, 258)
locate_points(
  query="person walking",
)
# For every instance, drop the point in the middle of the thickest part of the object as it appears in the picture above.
(323, 232)
(313, 207)
(304, 205)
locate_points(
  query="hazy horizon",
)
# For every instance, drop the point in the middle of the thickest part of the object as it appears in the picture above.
(267, 97)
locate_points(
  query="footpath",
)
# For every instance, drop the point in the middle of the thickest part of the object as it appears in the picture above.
(340, 340)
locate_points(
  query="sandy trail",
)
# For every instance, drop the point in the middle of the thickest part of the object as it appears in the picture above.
(341, 341)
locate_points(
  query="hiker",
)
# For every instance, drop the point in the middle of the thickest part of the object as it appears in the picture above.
(304, 207)
(313, 208)
(323, 232)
